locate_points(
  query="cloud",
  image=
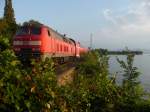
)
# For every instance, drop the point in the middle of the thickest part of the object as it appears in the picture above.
(130, 27)
(109, 16)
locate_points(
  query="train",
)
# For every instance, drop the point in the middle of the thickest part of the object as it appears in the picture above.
(41, 41)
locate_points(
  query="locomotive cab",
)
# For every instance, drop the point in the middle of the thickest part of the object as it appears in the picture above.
(27, 42)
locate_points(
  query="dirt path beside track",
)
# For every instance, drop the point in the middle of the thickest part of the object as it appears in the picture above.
(66, 77)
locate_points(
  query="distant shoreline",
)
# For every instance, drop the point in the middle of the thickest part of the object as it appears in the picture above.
(123, 52)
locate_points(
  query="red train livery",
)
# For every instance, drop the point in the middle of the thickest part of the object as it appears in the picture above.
(41, 41)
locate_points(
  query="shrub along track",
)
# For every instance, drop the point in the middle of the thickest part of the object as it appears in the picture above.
(64, 72)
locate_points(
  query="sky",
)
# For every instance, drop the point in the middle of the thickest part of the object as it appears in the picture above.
(114, 24)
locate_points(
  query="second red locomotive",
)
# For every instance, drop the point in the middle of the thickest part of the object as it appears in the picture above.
(42, 41)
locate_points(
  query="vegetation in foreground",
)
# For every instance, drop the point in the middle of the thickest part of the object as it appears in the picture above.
(35, 88)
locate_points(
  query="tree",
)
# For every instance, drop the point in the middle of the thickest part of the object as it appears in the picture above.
(131, 83)
(8, 24)
(9, 12)
(32, 22)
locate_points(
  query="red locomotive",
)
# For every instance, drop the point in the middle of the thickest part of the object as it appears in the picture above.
(41, 41)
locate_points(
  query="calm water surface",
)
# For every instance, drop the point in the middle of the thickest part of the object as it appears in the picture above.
(140, 61)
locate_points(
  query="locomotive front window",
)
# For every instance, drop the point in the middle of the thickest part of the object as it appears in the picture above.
(29, 30)
(23, 31)
(35, 31)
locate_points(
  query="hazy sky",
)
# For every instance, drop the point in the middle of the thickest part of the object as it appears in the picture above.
(113, 23)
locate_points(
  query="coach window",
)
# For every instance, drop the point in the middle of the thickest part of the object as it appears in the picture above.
(57, 47)
(48, 33)
(65, 48)
(61, 48)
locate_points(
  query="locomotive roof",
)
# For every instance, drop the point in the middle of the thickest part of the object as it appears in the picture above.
(62, 37)
(57, 35)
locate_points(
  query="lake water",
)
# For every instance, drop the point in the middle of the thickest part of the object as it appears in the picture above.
(140, 61)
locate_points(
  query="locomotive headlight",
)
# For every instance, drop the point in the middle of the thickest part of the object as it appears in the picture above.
(17, 49)
(36, 49)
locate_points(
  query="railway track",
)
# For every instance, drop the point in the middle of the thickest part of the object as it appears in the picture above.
(65, 73)
(59, 69)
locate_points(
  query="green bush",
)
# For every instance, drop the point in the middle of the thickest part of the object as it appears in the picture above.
(4, 43)
(93, 64)
(23, 88)
(92, 90)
